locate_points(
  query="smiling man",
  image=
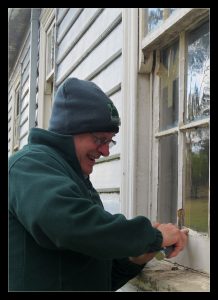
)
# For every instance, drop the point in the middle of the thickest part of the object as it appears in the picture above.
(91, 146)
(60, 236)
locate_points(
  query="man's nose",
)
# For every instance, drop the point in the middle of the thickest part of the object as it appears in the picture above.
(104, 149)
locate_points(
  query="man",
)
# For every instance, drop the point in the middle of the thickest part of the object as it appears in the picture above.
(61, 238)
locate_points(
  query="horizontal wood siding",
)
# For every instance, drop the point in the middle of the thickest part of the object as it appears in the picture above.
(37, 82)
(84, 39)
(10, 124)
(113, 74)
(68, 19)
(106, 175)
(24, 106)
(23, 140)
(61, 13)
(103, 55)
(111, 202)
(89, 46)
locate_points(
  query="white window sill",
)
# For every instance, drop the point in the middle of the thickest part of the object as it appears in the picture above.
(164, 276)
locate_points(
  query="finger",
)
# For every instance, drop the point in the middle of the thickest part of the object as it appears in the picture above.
(156, 224)
(175, 252)
(179, 246)
(185, 230)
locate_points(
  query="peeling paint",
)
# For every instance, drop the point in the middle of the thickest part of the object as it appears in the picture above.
(165, 276)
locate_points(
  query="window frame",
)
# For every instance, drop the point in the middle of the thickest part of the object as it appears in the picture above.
(46, 81)
(175, 26)
(16, 118)
(50, 55)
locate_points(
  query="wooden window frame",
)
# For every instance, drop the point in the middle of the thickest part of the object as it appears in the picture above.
(46, 80)
(16, 129)
(150, 44)
(50, 59)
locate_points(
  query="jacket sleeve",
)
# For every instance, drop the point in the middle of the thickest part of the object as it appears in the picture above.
(122, 271)
(54, 210)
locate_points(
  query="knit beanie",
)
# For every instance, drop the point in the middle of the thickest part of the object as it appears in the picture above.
(80, 106)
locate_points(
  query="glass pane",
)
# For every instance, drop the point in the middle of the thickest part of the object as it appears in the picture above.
(169, 86)
(50, 51)
(156, 16)
(197, 179)
(168, 179)
(198, 75)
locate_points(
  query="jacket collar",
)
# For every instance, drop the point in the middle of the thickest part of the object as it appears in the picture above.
(63, 144)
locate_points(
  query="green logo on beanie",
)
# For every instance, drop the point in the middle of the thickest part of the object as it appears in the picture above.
(114, 113)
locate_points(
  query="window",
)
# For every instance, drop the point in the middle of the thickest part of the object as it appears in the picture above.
(197, 107)
(196, 198)
(177, 43)
(50, 43)
(46, 66)
(168, 102)
(49, 82)
(156, 16)
(198, 72)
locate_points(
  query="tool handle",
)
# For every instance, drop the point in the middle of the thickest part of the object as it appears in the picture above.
(164, 253)
(168, 250)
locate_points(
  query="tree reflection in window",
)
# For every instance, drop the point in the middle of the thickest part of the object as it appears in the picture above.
(156, 16)
(198, 75)
(169, 86)
(196, 179)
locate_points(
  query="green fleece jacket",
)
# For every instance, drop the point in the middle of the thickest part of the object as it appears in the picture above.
(60, 236)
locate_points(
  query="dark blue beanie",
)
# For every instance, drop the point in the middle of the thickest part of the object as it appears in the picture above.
(80, 106)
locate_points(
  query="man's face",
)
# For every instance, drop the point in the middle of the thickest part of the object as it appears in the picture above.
(88, 149)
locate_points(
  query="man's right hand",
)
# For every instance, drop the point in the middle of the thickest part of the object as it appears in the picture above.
(172, 235)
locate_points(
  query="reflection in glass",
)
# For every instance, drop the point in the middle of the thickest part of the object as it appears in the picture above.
(50, 51)
(169, 86)
(156, 16)
(197, 179)
(168, 179)
(198, 74)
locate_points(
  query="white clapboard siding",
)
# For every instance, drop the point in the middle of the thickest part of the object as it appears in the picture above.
(116, 98)
(37, 82)
(10, 118)
(111, 202)
(24, 101)
(104, 54)
(68, 20)
(89, 46)
(26, 58)
(10, 124)
(23, 140)
(22, 64)
(110, 77)
(106, 175)
(24, 105)
(25, 89)
(25, 75)
(115, 150)
(61, 13)
(24, 128)
(24, 113)
(88, 41)
(76, 31)
(25, 61)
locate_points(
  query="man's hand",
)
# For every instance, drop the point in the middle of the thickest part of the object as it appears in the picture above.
(172, 235)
